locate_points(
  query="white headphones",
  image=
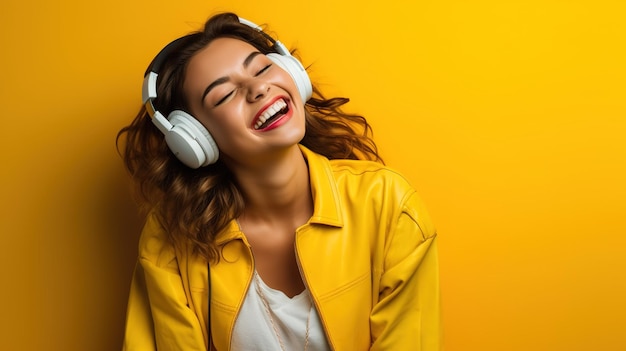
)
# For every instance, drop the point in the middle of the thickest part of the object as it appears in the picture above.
(186, 137)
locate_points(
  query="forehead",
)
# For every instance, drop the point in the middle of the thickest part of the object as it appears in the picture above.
(217, 58)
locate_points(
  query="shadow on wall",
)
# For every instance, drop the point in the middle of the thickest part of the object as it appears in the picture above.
(118, 223)
(121, 227)
(89, 249)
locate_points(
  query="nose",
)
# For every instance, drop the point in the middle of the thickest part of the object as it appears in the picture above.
(258, 89)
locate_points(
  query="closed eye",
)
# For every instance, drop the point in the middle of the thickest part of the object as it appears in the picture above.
(223, 99)
(263, 70)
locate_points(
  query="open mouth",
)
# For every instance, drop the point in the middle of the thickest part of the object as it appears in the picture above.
(271, 114)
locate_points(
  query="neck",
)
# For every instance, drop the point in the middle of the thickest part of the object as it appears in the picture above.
(278, 190)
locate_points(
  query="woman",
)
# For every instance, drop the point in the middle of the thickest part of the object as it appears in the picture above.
(254, 239)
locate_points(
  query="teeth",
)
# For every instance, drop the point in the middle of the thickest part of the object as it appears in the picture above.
(269, 112)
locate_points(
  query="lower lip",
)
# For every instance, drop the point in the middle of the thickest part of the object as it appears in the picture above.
(278, 122)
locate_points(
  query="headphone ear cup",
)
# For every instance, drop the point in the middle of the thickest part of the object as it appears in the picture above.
(297, 73)
(190, 141)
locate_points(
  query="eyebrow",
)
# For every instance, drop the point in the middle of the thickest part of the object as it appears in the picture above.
(222, 80)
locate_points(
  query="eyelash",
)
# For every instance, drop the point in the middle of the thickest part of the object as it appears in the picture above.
(256, 75)
(223, 99)
(263, 69)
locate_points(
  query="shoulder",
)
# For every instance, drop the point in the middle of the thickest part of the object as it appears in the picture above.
(355, 174)
(362, 167)
(372, 174)
(384, 188)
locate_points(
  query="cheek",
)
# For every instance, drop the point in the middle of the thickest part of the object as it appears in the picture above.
(293, 87)
(283, 79)
(223, 117)
(226, 125)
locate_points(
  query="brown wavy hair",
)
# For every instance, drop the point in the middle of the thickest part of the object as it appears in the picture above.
(194, 205)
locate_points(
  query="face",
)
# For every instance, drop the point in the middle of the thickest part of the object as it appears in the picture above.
(250, 105)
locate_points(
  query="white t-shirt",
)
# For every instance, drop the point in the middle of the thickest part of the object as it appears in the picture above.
(253, 328)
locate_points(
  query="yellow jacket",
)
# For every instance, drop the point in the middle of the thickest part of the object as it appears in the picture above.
(368, 256)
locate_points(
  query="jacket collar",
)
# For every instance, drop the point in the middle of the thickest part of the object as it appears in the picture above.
(326, 200)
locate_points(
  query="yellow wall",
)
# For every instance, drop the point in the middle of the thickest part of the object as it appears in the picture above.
(508, 116)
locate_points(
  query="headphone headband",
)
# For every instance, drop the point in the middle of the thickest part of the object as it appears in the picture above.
(152, 72)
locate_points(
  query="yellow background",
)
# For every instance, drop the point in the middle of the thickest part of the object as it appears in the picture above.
(508, 116)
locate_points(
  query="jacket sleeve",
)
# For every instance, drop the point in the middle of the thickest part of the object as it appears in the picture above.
(407, 314)
(158, 317)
